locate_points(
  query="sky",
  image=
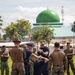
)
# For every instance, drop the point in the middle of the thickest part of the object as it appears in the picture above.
(11, 10)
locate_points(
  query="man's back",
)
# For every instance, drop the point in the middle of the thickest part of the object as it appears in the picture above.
(17, 54)
(57, 57)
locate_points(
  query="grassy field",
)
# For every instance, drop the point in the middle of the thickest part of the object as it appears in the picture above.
(10, 63)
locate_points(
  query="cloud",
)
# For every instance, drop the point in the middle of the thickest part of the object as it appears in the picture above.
(21, 12)
(30, 13)
(30, 10)
(69, 19)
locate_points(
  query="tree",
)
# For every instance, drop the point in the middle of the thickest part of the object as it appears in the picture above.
(36, 37)
(73, 27)
(4, 37)
(44, 33)
(73, 30)
(16, 35)
(21, 28)
(47, 33)
(0, 36)
(1, 21)
(10, 30)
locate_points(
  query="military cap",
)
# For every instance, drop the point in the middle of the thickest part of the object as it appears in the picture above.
(34, 48)
(24, 45)
(16, 40)
(30, 44)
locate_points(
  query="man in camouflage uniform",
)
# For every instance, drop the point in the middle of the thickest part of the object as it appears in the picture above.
(58, 58)
(69, 54)
(17, 55)
(4, 55)
(32, 59)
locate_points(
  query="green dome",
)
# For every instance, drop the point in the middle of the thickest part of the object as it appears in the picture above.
(47, 16)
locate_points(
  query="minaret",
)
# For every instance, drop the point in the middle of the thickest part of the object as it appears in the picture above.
(62, 12)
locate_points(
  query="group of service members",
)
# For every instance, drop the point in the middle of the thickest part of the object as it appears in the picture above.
(26, 60)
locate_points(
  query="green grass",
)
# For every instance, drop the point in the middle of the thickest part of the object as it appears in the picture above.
(70, 68)
(10, 65)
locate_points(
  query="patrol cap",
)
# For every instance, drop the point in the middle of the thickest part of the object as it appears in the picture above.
(30, 44)
(34, 49)
(16, 40)
(24, 46)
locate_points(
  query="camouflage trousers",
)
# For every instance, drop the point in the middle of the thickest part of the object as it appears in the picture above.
(31, 69)
(58, 70)
(4, 67)
(18, 69)
(70, 64)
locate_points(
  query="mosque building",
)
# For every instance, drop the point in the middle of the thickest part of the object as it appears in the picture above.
(50, 17)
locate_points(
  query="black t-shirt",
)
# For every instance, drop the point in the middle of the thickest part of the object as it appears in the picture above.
(45, 49)
(28, 53)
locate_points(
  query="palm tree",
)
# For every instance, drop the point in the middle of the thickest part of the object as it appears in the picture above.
(73, 29)
(36, 37)
(0, 25)
(1, 21)
(44, 33)
(47, 34)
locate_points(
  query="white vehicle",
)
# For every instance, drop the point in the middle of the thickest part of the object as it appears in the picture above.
(11, 44)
